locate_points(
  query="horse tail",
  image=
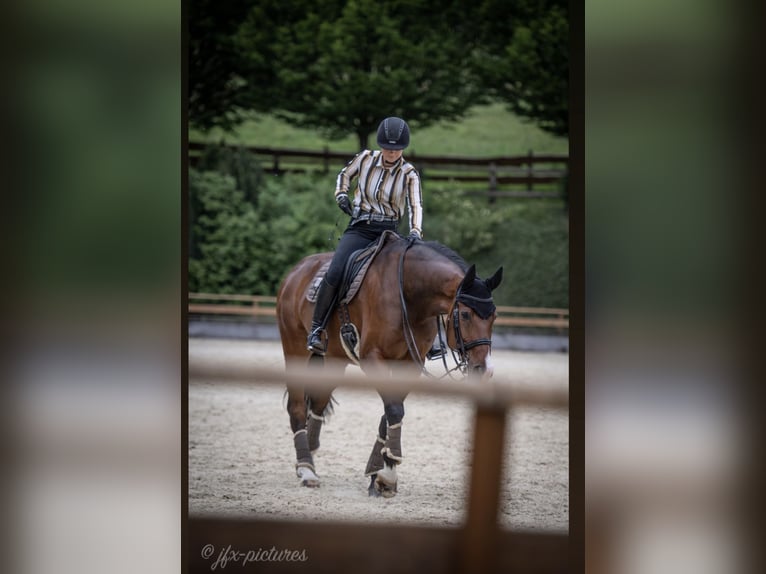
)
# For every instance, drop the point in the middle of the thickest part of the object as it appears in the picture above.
(328, 410)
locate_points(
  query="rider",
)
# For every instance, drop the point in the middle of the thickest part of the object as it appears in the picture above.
(385, 183)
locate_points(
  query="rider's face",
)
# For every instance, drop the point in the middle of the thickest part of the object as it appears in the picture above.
(391, 155)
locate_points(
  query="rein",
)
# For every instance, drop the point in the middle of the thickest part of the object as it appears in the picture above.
(460, 364)
(409, 337)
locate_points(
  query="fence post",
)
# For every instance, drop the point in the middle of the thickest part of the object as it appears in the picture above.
(492, 182)
(411, 158)
(530, 181)
(275, 169)
(326, 151)
(479, 538)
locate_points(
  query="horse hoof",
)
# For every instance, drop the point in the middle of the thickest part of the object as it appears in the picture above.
(308, 477)
(385, 490)
(385, 482)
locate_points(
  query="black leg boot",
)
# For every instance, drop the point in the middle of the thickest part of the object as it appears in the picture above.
(325, 303)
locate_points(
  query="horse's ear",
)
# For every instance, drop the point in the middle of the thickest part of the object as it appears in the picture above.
(470, 275)
(494, 281)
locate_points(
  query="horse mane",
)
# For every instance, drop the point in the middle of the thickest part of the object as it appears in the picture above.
(447, 252)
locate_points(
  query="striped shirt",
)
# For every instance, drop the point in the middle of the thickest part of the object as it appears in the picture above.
(383, 191)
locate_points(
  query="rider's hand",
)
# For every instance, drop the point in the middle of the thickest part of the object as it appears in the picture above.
(344, 203)
(414, 235)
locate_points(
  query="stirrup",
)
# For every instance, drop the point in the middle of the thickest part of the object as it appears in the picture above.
(434, 353)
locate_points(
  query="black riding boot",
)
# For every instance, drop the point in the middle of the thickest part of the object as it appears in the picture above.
(324, 305)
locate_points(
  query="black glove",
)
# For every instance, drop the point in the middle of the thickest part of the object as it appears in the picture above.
(344, 204)
(413, 237)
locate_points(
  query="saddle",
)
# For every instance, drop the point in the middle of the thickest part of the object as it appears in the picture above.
(355, 271)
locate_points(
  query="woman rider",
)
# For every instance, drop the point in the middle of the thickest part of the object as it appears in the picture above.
(385, 184)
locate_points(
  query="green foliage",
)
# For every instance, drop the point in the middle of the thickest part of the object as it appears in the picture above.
(237, 162)
(220, 72)
(298, 213)
(244, 246)
(342, 68)
(529, 239)
(226, 234)
(339, 67)
(532, 243)
(460, 222)
(530, 72)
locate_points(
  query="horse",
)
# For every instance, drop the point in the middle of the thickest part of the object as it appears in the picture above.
(407, 288)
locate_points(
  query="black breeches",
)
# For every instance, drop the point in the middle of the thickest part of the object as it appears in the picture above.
(355, 237)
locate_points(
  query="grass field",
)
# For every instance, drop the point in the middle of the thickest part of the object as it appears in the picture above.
(486, 131)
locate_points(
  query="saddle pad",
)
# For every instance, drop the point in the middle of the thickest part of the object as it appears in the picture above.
(311, 294)
(356, 270)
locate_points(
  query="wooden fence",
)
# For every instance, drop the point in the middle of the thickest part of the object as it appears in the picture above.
(527, 171)
(265, 306)
(478, 546)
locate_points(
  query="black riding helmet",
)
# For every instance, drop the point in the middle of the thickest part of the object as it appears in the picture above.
(393, 133)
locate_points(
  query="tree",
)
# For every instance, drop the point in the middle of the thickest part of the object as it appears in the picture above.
(341, 66)
(373, 60)
(219, 72)
(338, 66)
(227, 236)
(530, 72)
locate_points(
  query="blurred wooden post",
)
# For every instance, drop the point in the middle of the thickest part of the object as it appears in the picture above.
(326, 151)
(492, 182)
(599, 541)
(479, 537)
(275, 169)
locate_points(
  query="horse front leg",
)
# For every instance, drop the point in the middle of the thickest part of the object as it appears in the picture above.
(376, 463)
(304, 466)
(384, 481)
(318, 408)
(386, 453)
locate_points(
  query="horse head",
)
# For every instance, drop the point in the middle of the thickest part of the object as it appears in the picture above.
(469, 325)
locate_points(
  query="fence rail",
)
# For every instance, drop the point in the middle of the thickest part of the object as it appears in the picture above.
(528, 170)
(265, 306)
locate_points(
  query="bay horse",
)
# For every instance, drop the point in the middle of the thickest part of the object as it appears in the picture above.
(408, 286)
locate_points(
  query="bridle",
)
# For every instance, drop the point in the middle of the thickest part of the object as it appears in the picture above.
(464, 346)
